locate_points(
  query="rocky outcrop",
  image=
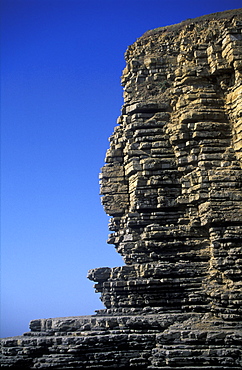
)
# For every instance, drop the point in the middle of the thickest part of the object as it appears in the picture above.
(172, 186)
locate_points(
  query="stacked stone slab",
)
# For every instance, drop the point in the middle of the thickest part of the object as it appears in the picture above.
(172, 186)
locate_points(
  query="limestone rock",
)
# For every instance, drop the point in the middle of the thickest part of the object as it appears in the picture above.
(172, 186)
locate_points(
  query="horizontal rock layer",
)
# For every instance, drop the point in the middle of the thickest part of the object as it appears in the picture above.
(141, 341)
(172, 186)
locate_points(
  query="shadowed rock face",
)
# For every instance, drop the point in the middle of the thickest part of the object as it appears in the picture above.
(172, 186)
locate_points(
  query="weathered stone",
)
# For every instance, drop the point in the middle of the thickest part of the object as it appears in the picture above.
(172, 186)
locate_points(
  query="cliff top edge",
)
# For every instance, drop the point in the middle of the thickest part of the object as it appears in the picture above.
(226, 15)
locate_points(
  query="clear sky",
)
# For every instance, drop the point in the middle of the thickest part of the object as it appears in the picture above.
(61, 95)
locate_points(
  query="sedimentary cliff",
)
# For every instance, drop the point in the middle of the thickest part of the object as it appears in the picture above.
(172, 186)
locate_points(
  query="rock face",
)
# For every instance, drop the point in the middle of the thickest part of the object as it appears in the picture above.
(172, 186)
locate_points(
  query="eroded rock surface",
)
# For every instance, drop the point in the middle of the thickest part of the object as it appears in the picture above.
(172, 186)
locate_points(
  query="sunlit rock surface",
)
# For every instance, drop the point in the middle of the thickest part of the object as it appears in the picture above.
(172, 186)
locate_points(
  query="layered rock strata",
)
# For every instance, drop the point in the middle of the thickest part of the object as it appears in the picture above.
(172, 186)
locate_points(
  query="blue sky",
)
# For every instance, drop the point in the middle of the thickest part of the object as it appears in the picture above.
(60, 98)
